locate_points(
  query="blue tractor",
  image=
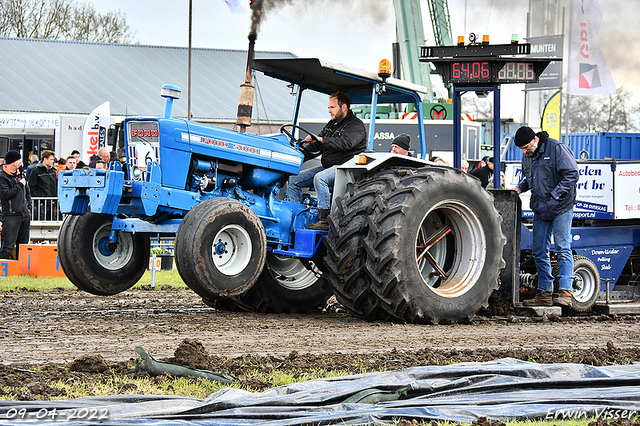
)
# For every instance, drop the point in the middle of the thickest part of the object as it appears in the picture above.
(408, 240)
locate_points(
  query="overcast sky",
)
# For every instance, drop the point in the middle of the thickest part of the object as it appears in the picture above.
(359, 33)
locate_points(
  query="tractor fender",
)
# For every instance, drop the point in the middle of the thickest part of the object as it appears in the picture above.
(353, 170)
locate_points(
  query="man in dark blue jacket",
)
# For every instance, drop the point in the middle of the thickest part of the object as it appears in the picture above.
(551, 173)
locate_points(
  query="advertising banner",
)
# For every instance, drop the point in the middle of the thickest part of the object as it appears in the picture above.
(594, 191)
(94, 133)
(588, 73)
(29, 121)
(547, 47)
(551, 117)
(627, 196)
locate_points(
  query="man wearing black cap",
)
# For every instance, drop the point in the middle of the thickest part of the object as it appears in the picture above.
(485, 172)
(401, 144)
(16, 205)
(551, 173)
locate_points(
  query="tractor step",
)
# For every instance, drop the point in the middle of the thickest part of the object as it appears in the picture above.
(306, 243)
(540, 311)
(623, 308)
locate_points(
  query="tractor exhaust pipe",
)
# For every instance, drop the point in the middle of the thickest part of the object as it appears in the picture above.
(245, 105)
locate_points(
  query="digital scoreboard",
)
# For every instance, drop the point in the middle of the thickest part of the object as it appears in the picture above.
(485, 64)
(492, 72)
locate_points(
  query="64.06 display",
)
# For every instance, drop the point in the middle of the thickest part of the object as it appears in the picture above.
(492, 72)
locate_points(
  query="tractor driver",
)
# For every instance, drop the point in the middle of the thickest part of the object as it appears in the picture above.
(339, 140)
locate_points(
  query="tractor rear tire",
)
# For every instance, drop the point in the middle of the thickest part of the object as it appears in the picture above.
(95, 265)
(413, 245)
(220, 248)
(287, 285)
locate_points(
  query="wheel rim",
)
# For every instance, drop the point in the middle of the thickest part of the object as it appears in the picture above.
(584, 285)
(450, 248)
(290, 273)
(112, 256)
(231, 251)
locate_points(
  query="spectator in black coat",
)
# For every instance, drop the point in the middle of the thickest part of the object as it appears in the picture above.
(30, 167)
(79, 163)
(484, 173)
(43, 181)
(103, 154)
(16, 205)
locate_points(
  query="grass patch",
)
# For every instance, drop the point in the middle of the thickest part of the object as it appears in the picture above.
(28, 283)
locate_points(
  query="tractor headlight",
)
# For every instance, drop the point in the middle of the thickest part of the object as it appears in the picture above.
(136, 173)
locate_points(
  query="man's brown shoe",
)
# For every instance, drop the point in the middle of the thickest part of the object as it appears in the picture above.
(543, 298)
(563, 299)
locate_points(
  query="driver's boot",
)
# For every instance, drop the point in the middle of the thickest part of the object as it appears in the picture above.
(542, 298)
(564, 299)
(322, 224)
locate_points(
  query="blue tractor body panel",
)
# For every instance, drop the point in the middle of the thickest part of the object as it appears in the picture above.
(173, 164)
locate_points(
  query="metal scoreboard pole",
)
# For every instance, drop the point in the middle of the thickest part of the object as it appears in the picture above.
(457, 126)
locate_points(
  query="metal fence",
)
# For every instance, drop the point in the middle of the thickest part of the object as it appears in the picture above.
(45, 219)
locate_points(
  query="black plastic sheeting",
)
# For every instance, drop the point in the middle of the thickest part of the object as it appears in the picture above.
(505, 389)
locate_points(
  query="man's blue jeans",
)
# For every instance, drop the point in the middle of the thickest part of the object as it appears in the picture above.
(318, 177)
(560, 228)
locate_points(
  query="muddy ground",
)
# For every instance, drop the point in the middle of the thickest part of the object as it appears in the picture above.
(90, 333)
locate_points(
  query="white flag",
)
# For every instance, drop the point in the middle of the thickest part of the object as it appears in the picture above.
(234, 6)
(94, 132)
(588, 71)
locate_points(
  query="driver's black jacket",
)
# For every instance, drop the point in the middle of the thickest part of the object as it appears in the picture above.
(342, 139)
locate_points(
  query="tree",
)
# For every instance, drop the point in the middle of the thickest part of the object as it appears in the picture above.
(62, 20)
(480, 108)
(602, 113)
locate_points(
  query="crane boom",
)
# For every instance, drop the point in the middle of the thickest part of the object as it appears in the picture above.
(439, 11)
(410, 36)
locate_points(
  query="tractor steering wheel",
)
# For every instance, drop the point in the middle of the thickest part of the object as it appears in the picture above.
(292, 140)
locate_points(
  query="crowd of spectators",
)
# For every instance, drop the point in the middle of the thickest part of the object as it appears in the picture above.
(31, 192)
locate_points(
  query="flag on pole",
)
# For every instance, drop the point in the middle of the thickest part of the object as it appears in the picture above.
(94, 132)
(588, 71)
(234, 6)
(551, 117)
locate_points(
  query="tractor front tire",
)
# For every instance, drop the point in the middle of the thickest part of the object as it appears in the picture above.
(94, 264)
(220, 248)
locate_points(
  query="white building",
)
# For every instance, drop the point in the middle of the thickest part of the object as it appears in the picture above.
(50, 87)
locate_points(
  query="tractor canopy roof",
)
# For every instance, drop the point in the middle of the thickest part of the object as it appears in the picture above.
(329, 77)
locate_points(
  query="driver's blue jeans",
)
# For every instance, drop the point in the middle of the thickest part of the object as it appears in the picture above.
(560, 229)
(318, 177)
